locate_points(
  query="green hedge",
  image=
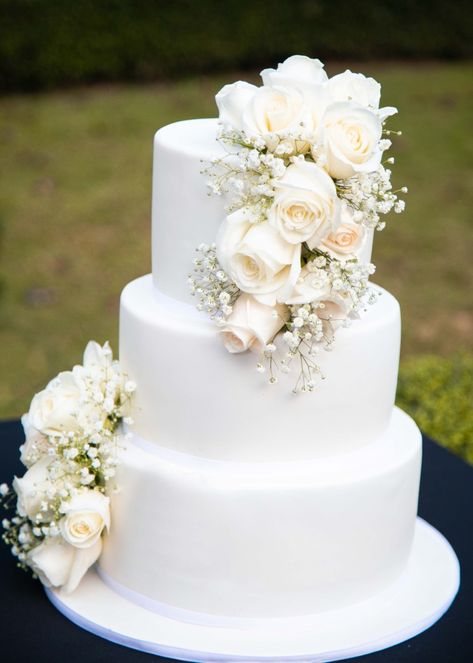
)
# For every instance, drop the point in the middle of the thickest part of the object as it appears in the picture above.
(46, 43)
(438, 393)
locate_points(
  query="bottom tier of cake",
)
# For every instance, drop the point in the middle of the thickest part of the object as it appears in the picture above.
(217, 539)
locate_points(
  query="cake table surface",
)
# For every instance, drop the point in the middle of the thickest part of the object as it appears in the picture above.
(31, 629)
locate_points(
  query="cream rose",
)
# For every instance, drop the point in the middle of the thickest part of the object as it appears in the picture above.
(296, 71)
(54, 410)
(252, 325)
(334, 310)
(58, 564)
(35, 444)
(32, 488)
(333, 314)
(257, 258)
(313, 286)
(96, 355)
(306, 207)
(307, 75)
(344, 241)
(350, 135)
(355, 87)
(275, 109)
(232, 100)
(85, 517)
(264, 110)
(360, 89)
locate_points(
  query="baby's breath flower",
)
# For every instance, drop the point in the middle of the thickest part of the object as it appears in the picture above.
(215, 291)
(370, 195)
(249, 174)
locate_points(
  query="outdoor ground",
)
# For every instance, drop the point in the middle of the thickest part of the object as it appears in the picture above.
(75, 191)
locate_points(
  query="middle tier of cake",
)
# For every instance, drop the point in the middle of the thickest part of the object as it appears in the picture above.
(196, 398)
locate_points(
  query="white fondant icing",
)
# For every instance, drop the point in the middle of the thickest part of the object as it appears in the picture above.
(195, 397)
(184, 214)
(265, 539)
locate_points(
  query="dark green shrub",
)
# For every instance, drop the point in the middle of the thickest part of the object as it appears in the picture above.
(45, 43)
(438, 393)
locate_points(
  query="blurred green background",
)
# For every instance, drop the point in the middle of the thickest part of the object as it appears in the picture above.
(84, 87)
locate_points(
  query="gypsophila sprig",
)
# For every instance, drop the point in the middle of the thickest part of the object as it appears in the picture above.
(214, 289)
(306, 181)
(370, 195)
(60, 507)
(311, 326)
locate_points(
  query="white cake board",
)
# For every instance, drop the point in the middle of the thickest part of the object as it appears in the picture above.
(413, 603)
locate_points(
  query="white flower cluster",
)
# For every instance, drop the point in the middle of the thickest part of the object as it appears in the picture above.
(370, 195)
(247, 175)
(215, 291)
(70, 451)
(299, 112)
(306, 185)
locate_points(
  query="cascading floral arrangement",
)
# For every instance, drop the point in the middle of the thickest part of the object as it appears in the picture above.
(61, 507)
(306, 185)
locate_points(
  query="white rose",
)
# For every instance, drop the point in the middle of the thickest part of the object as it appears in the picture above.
(99, 377)
(32, 487)
(350, 135)
(85, 517)
(257, 258)
(252, 325)
(296, 71)
(307, 75)
(360, 89)
(54, 410)
(58, 564)
(306, 207)
(232, 100)
(35, 444)
(274, 110)
(96, 355)
(355, 87)
(97, 367)
(333, 312)
(335, 309)
(313, 286)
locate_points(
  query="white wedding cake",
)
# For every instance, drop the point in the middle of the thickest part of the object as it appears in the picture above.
(239, 498)
(240, 485)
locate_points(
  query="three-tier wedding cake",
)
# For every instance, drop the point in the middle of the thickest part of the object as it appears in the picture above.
(267, 477)
(238, 497)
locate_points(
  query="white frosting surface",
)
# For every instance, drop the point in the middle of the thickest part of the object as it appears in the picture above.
(184, 214)
(267, 539)
(195, 397)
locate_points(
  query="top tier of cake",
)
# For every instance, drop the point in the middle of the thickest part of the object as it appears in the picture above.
(184, 214)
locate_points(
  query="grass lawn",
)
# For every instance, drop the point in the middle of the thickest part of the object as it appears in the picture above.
(75, 191)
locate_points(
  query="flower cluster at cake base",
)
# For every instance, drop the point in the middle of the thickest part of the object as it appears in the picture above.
(60, 506)
(306, 184)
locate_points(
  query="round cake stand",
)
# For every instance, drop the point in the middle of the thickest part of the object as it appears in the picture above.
(409, 606)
